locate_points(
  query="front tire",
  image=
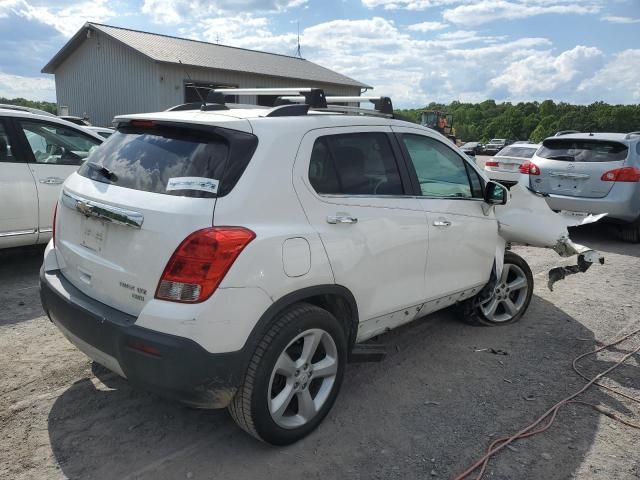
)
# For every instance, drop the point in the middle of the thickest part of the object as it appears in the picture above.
(294, 376)
(501, 302)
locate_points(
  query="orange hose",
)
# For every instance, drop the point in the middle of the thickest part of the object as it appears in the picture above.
(528, 431)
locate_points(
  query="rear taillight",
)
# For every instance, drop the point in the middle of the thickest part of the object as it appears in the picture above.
(142, 123)
(529, 168)
(55, 214)
(199, 264)
(490, 163)
(624, 174)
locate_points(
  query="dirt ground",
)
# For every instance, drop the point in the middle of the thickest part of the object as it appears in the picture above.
(427, 411)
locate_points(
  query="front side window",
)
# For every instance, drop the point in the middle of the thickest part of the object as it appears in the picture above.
(441, 171)
(5, 145)
(354, 164)
(57, 144)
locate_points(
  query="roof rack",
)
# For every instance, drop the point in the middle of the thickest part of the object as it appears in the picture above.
(297, 100)
(312, 96)
(631, 134)
(382, 106)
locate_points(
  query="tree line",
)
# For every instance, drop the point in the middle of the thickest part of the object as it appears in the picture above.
(23, 102)
(533, 121)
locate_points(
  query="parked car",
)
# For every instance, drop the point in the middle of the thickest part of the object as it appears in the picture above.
(495, 145)
(83, 122)
(591, 172)
(505, 165)
(37, 153)
(176, 265)
(472, 148)
(104, 132)
(20, 108)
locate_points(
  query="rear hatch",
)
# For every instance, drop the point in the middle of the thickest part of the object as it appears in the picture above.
(510, 158)
(574, 167)
(139, 195)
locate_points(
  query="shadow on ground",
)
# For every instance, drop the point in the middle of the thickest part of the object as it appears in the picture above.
(427, 411)
(19, 289)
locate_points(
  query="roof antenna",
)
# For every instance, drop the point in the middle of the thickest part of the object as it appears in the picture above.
(299, 53)
(193, 85)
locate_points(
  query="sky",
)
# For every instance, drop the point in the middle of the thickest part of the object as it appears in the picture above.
(416, 51)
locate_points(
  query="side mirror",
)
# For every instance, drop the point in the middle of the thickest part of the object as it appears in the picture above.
(495, 193)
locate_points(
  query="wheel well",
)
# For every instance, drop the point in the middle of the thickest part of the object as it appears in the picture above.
(340, 308)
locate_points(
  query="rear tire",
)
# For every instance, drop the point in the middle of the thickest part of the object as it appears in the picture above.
(294, 376)
(501, 302)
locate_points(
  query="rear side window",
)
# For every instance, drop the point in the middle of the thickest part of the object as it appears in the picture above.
(354, 164)
(518, 152)
(173, 161)
(583, 150)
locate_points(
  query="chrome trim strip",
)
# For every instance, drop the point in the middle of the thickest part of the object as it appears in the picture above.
(569, 175)
(45, 230)
(17, 233)
(91, 208)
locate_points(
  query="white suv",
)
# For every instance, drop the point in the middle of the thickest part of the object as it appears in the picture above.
(38, 151)
(237, 257)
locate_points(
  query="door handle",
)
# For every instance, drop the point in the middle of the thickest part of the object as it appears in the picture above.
(341, 218)
(52, 181)
(441, 223)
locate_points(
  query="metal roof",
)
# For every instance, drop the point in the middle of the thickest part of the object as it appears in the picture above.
(167, 49)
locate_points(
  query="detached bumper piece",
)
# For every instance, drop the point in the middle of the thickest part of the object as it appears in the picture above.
(172, 366)
(585, 260)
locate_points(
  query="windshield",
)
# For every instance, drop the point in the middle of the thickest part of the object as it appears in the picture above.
(470, 144)
(497, 140)
(172, 161)
(519, 152)
(583, 150)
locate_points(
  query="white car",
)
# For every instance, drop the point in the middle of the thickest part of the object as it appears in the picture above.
(239, 257)
(104, 132)
(505, 165)
(37, 153)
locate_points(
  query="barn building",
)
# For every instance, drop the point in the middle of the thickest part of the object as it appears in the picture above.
(105, 71)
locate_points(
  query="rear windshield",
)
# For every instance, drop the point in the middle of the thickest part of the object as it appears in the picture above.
(583, 150)
(174, 161)
(519, 152)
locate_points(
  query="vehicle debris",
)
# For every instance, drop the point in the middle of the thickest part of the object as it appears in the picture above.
(527, 220)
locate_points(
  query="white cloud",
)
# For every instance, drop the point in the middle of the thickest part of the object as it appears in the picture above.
(546, 74)
(620, 20)
(32, 88)
(407, 4)
(427, 26)
(67, 19)
(617, 82)
(176, 11)
(486, 11)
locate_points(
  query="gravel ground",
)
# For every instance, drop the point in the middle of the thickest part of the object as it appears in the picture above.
(427, 411)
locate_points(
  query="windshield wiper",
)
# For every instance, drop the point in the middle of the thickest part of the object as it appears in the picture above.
(104, 171)
(562, 157)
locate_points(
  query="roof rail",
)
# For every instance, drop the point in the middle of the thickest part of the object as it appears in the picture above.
(566, 132)
(631, 134)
